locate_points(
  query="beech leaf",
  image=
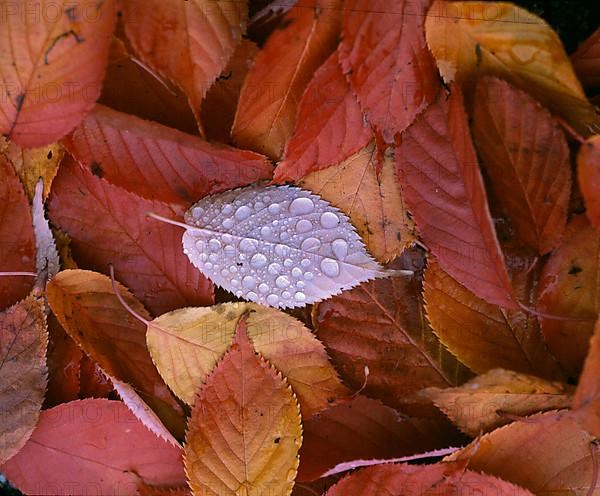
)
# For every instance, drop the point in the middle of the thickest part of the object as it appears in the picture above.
(280, 246)
(244, 433)
(23, 372)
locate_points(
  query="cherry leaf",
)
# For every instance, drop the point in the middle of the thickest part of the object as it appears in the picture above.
(588, 174)
(586, 61)
(280, 246)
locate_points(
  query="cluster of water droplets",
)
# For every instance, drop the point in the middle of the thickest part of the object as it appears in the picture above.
(277, 245)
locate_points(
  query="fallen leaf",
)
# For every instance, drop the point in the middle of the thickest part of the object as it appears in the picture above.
(330, 125)
(186, 344)
(385, 57)
(442, 185)
(564, 460)
(189, 43)
(17, 241)
(588, 173)
(445, 478)
(501, 39)
(157, 162)
(244, 433)
(526, 155)
(33, 163)
(586, 403)
(87, 445)
(481, 335)
(23, 373)
(280, 246)
(147, 256)
(363, 429)
(52, 63)
(47, 261)
(380, 325)
(568, 288)
(221, 101)
(497, 398)
(88, 309)
(586, 61)
(367, 191)
(159, 101)
(266, 115)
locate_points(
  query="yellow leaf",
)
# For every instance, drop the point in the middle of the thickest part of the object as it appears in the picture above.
(244, 433)
(186, 344)
(370, 197)
(469, 39)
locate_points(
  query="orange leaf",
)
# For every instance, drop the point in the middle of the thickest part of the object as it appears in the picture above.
(569, 288)
(189, 43)
(23, 372)
(52, 61)
(330, 125)
(88, 309)
(496, 397)
(441, 478)
(272, 90)
(526, 156)
(93, 445)
(443, 189)
(159, 102)
(157, 162)
(380, 325)
(481, 335)
(588, 172)
(244, 433)
(561, 452)
(586, 61)
(586, 403)
(384, 54)
(17, 243)
(147, 255)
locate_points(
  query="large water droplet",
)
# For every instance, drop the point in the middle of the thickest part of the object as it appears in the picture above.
(227, 223)
(266, 232)
(252, 296)
(258, 260)
(214, 245)
(208, 265)
(227, 238)
(288, 262)
(299, 296)
(224, 272)
(272, 299)
(274, 269)
(197, 212)
(248, 282)
(303, 226)
(235, 283)
(281, 250)
(227, 209)
(263, 288)
(242, 213)
(329, 220)
(282, 282)
(201, 245)
(310, 244)
(308, 276)
(285, 295)
(274, 208)
(330, 267)
(284, 236)
(296, 272)
(301, 206)
(229, 251)
(259, 206)
(300, 284)
(305, 263)
(248, 245)
(213, 257)
(339, 248)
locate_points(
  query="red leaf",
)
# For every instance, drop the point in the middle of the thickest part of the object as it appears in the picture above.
(17, 243)
(158, 162)
(95, 446)
(330, 125)
(443, 188)
(384, 54)
(588, 173)
(52, 62)
(109, 225)
(586, 61)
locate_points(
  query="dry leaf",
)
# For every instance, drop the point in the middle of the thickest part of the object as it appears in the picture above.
(586, 61)
(588, 173)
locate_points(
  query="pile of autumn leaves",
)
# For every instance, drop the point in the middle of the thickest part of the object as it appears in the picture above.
(485, 185)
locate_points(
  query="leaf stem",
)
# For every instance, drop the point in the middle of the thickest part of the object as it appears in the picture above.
(31, 274)
(122, 300)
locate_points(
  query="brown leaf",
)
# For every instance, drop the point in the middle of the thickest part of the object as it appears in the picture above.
(272, 90)
(23, 372)
(586, 61)
(588, 173)
(586, 403)
(244, 433)
(527, 158)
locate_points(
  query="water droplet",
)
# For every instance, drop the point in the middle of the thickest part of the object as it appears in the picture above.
(239, 293)
(263, 288)
(248, 282)
(213, 257)
(203, 257)
(229, 251)
(330, 267)
(303, 226)
(227, 223)
(274, 268)
(259, 206)
(300, 284)
(272, 299)
(224, 272)
(296, 272)
(274, 208)
(227, 238)
(284, 236)
(208, 265)
(301, 206)
(252, 296)
(214, 245)
(248, 245)
(339, 248)
(308, 276)
(281, 250)
(266, 231)
(275, 223)
(235, 283)
(299, 296)
(197, 212)
(233, 269)
(258, 260)
(285, 295)
(242, 212)
(282, 282)
(305, 263)
(329, 220)
(201, 245)
(288, 262)
(310, 244)
(227, 209)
